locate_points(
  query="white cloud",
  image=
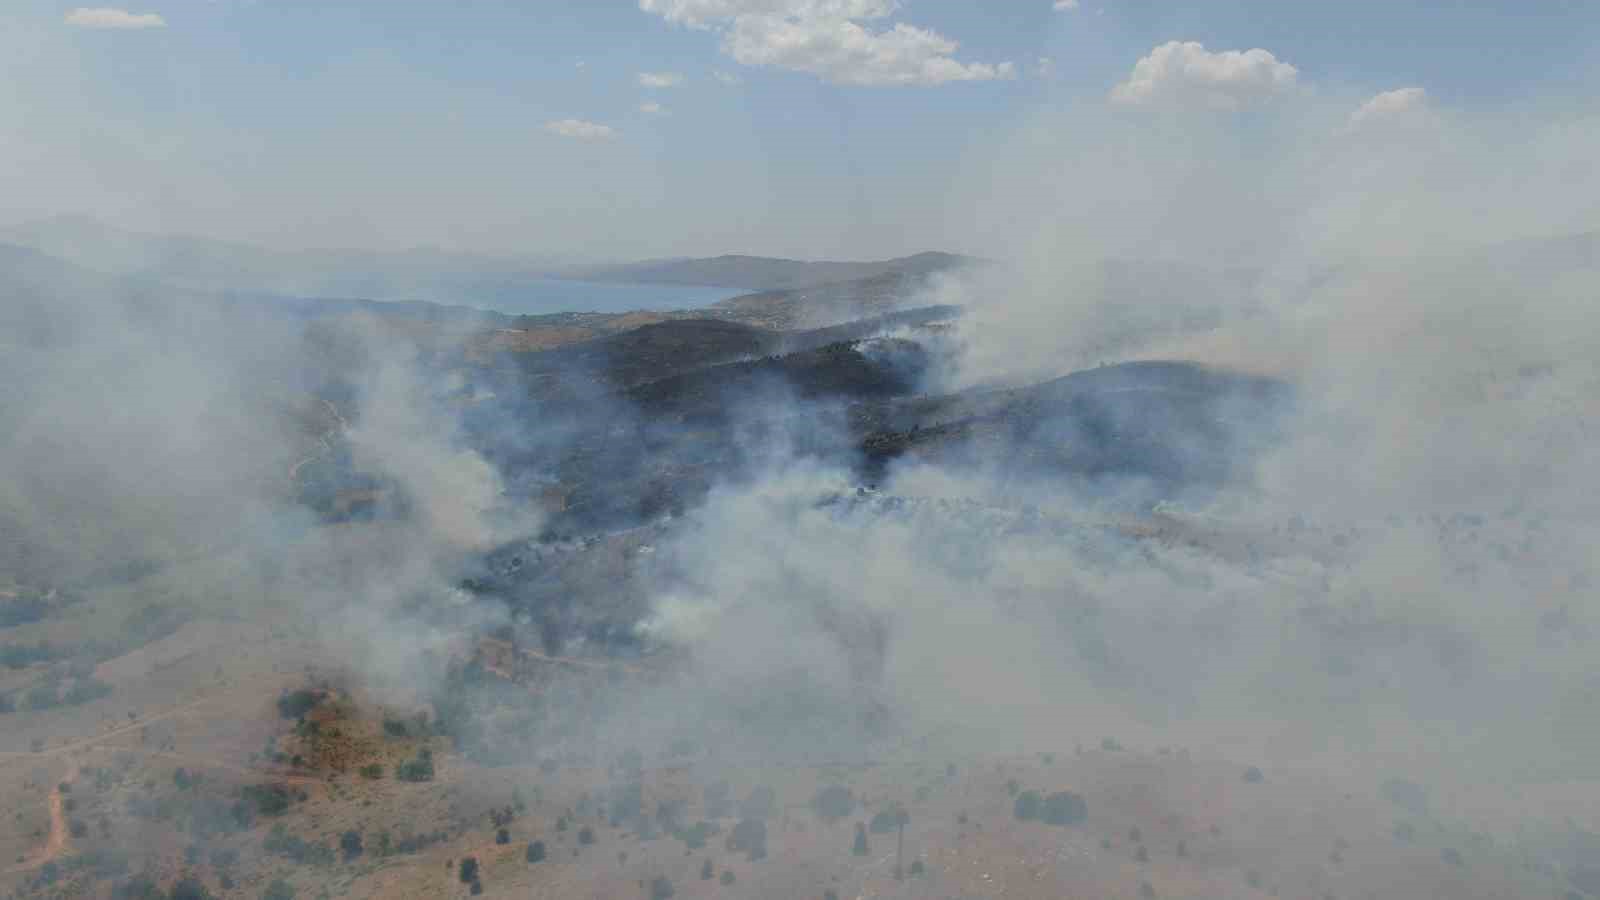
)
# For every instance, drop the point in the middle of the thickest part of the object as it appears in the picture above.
(652, 108)
(1045, 67)
(1389, 104)
(1186, 73)
(108, 17)
(578, 129)
(826, 38)
(709, 13)
(1065, 4)
(727, 78)
(660, 79)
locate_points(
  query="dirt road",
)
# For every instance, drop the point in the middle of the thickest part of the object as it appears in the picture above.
(60, 836)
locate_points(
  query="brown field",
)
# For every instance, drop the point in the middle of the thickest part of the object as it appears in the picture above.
(204, 701)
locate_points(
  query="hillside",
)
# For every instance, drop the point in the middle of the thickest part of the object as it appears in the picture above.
(760, 577)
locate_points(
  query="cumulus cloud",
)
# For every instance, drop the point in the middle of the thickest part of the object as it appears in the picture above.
(827, 38)
(1389, 104)
(578, 129)
(652, 108)
(660, 79)
(1061, 5)
(1186, 73)
(110, 17)
(727, 78)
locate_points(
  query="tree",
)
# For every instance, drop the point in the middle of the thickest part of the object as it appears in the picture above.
(469, 870)
(535, 851)
(278, 890)
(727, 877)
(661, 888)
(706, 871)
(860, 848)
(586, 835)
(350, 843)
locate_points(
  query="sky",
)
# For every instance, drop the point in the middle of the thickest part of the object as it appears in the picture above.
(637, 128)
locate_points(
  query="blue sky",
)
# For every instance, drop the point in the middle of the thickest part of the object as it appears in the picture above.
(524, 127)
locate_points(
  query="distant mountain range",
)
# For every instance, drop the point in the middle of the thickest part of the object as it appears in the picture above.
(763, 273)
(426, 274)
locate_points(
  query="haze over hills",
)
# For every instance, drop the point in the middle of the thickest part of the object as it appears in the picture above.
(583, 520)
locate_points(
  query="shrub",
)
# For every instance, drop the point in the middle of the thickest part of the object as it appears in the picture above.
(1254, 775)
(189, 888)
(717, 800)
(419, 769)
(749, 836)
(502, 836)
(265, 799)
(727, 877)
(1027, 806)
(469, 870)
(293, 705)
(759, 804)
(627, 803)
(282, 843)
(706, 871)
(85, 690)
(1064, 808)
(888, 820)
(586, 835)
(860, 846)
(373, 771)
(834, 802)
(661, 888)
(695, 836)
(535, 852)
(350, 843)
